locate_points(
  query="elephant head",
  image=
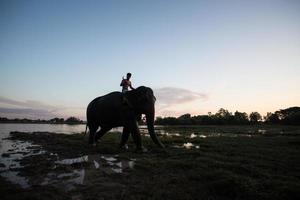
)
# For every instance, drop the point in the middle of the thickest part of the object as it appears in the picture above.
(143, 101)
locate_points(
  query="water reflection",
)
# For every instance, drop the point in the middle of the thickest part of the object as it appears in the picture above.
(262, 131)
(14, 177)
(168, 134)
(72, 160)
(11, 154)
(68, 181)
(91, 163)
(189, 145)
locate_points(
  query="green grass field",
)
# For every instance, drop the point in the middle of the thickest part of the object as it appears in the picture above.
(230, 162)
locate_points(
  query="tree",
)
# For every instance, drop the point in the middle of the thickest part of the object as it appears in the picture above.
(185, 119)
(73, 120)
(223, 116)
(185, 116)
(272, 118)
(57, 120)
(255, 117)
(223, 113)
(241, 118)
(4, 119)
(166, 121)
(289, 116)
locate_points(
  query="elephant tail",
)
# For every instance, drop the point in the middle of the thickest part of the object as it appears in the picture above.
(86, 127)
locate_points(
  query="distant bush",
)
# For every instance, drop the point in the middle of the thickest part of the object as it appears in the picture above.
(73, 120)
(289, 116)
(223, 116)
(57, 120)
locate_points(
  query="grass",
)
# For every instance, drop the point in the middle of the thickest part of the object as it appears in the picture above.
(258, 167)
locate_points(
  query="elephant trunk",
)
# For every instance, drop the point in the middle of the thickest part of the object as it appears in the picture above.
(150, 126)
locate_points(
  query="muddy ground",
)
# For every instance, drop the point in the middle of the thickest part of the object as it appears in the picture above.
(228, 163)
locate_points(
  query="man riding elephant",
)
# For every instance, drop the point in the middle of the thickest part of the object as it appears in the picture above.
(122, 109)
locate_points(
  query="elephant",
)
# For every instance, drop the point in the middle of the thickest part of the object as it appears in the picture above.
(118, 109)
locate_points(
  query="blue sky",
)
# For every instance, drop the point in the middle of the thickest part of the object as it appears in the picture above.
(198, 56)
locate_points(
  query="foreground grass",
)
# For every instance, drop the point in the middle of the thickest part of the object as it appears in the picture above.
(259, 167)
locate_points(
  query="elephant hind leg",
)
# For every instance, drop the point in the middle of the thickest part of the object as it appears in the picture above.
(93, 129)
(100, 133)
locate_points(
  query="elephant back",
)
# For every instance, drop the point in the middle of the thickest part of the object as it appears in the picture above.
(106, 100)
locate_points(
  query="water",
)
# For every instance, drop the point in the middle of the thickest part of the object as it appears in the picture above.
(11, 152)
(108, 164)
(58, 128)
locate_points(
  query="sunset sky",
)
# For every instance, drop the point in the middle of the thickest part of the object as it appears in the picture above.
(198, 56)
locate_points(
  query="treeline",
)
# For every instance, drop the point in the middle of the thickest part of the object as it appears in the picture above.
(56, 120)
(289, 116)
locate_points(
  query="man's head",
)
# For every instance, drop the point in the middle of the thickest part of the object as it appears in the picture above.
(128, 76)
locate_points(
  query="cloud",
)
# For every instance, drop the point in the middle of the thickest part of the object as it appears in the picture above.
(36, 109)
(26, 113)
(171, 99)
(28, 104)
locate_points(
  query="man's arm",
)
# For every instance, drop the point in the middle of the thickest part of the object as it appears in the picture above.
(122, 83)
(131, 86)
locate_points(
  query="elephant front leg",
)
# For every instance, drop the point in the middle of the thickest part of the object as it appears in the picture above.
(136, 136)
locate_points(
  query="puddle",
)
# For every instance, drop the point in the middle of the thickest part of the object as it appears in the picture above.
(202, 136)
(205, 135)
(68, 181)
(220, 135)
(96, 164)
(190, 145)
(65, 173)
(93, 163)
(165, 133)
(262, 131)
(187, 145)
(72, 160)
(13, 177)
(199, 136)
(161, 133)
(11, 154)
(118, 166)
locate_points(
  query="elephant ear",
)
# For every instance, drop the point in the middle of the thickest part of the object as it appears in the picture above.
(145, 95)
(150, 96)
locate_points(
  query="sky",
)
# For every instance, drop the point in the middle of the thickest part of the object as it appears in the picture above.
(198, 56)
